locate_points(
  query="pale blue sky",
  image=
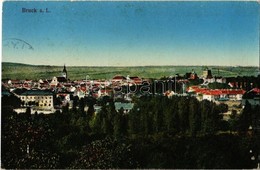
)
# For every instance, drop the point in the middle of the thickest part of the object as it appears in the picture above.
(133, 33)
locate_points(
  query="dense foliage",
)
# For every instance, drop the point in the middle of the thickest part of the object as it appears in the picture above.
(217, 85)
(159, 132)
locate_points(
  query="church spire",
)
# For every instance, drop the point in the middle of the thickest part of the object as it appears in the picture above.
(64, 72)
(64, 68)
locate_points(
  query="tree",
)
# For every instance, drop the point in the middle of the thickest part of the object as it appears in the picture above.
(28, 110)
(65, 109)
(206, 116)
(158, 113)
(134, 121)
(104, 154)
(75, 102)
(183, 111)
(97, 122)
(11, 101)
(118, 123)
(194, 116)
(82, 105)
(245, 118)
(217, 85)
(27, 142)
(233, 120)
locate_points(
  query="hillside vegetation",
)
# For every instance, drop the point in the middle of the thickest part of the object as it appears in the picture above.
(36, 72)
(158, 133)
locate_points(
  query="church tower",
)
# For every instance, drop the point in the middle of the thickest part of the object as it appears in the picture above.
(64, 72)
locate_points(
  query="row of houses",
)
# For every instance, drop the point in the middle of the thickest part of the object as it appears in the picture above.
(217, 94)
(43, 101)
(40, 95)
(252, 96)
(59, 82)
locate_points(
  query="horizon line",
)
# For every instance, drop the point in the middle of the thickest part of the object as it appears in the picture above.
(180, 65)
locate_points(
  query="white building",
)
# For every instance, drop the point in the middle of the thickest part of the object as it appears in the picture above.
(41, 99)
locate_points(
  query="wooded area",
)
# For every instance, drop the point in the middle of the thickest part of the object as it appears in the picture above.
(159, 132)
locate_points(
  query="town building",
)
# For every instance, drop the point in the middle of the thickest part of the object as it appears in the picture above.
(246, 82)
(207, 74)
(206, 81)
(64, 72)
(118, 79)
(135, 80)
(191, 75)
(60, 79)
(217, 94)
(41, 99)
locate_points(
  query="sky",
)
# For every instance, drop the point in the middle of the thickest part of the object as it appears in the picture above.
(98, 33)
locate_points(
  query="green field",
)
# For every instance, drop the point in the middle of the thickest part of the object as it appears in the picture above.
(36, 72)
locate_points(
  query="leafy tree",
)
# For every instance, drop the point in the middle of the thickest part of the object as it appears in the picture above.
(75, 102)
(134, 121)
(104, 154)
(183, 111)
(172, 120)
(28, 110)
(119, 123)
(159, 114)
(26, 142)
(194, 117)
(11, 101)
(245, 118)
(233, 120)
(209, 117)
(217, 85)
(65, 109)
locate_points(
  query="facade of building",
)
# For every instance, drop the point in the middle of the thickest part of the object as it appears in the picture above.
(135, 80)
(207, 74)
(118, 79)
(41, 99)
(218, 94)
(213, 80)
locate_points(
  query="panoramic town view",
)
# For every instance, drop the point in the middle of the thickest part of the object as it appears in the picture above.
(130, 85)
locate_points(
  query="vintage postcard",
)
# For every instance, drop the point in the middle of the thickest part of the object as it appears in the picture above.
(130, 84)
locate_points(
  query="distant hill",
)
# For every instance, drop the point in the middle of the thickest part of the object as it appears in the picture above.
(20, 64)
(36, 72)
(9, 64)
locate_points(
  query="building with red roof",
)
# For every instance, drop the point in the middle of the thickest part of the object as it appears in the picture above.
(118, 78)
(217, 94)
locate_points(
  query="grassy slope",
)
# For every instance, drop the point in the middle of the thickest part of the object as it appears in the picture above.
(36, 72)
